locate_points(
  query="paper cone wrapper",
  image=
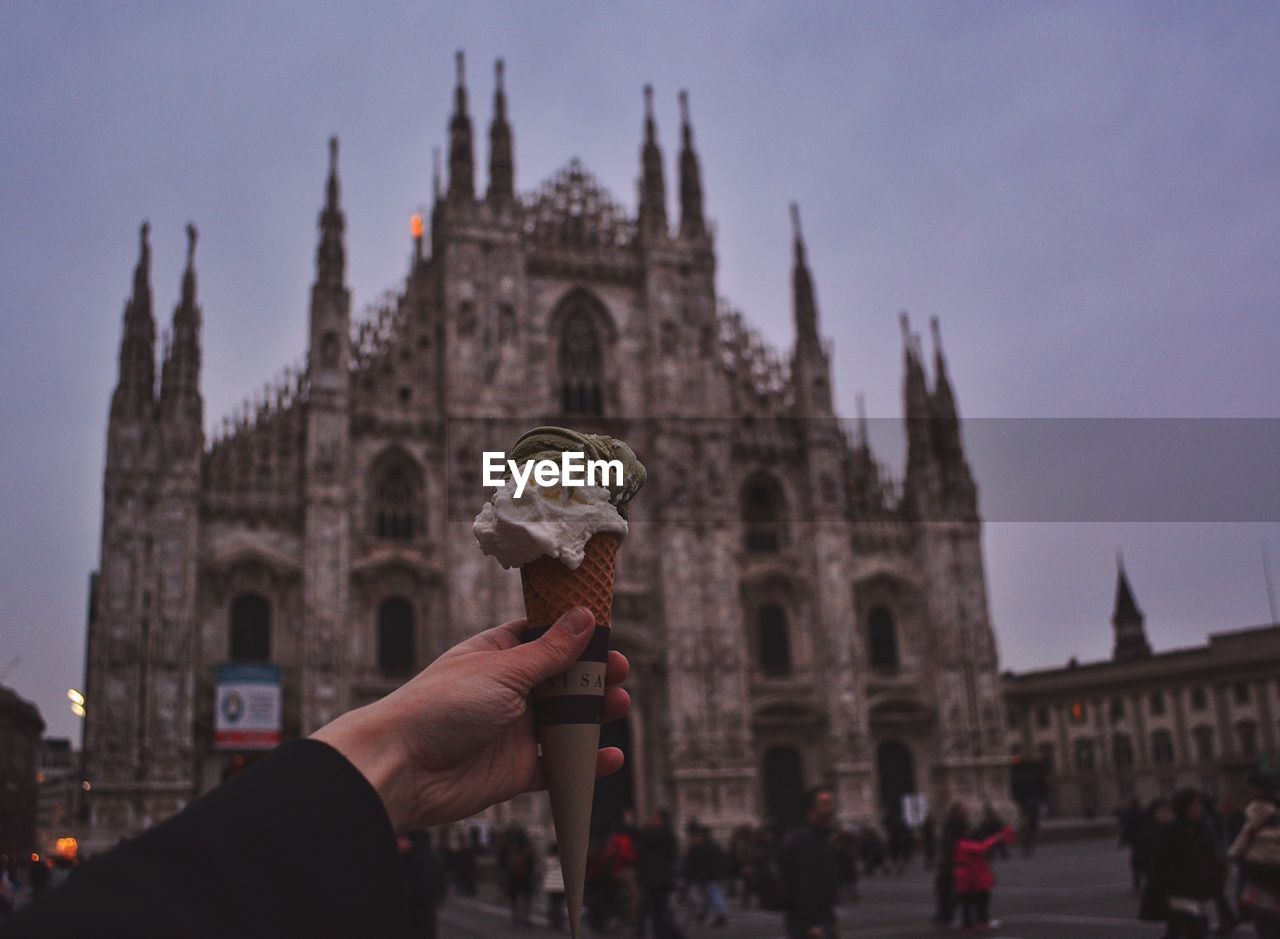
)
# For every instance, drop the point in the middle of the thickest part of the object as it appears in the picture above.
(566, 708)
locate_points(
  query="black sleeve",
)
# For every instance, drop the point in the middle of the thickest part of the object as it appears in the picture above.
(298, 845)
(801, 870)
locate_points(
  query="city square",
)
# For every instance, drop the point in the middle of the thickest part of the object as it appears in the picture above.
(1068, 889)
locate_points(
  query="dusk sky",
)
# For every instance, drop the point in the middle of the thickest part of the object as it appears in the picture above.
(1087, 195)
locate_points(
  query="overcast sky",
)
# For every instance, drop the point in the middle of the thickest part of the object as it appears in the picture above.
(1087, 195)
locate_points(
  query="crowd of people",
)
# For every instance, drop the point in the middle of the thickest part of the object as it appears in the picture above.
(1195, 865)
(1194, 861)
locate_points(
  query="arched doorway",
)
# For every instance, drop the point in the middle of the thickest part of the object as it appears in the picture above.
(784, 786)
(617, 793)
(897, 773)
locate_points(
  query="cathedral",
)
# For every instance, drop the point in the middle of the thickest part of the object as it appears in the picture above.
(792, 614)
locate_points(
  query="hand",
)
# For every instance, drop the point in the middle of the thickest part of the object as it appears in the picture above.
(459, 736)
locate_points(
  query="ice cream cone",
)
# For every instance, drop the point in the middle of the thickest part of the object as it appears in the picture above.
(567, 708)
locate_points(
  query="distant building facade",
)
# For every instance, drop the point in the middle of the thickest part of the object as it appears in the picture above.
(60, 800)
(1089, 736)
(20, 729)
(792, 615)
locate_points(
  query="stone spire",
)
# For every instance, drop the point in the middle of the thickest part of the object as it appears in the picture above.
(462, 186)
(915, 399)
(180, 380)
(1127, 621)
(692, 222)
(946, 425)
(804, 304)
(134, 394)
(501, 161)
(331, 254)
(653, 186)
(810, 369)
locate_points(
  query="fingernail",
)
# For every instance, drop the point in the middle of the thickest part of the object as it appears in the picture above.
(579, 620)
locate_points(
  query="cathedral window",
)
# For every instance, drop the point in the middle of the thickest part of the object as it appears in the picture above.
(250, 628)
(882, 640)
(1122, 751)
(1247, 735)
(1199, 699)
(395, 637)
(1045, 752)
(581, 363)
(1162, 747)
(775, 643)
(1084, 756)
(397, 499)
(762, 512)
(1204, 744)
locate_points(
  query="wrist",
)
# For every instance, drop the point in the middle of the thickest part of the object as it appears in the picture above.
(375, 752)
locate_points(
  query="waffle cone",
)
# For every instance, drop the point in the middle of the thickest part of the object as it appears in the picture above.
(551, 589)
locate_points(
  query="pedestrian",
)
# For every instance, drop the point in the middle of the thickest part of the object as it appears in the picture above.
(1215, 822)
(424, 886)
(929, 840)
(1137, 832)
(656, 873)
(517, 864)
(954, 827)
(993, 824)
(973, 879)
(553, 887)
(846, 846)
(7, 892)
(901, 842)
(38, 875)
(809, 871)
(1256, 849)
(704, 866)
(619, 863)
(1186, 870)
(302, 843)
(1030, 826)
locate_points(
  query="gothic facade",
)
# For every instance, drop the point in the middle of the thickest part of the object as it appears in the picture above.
(792, 614)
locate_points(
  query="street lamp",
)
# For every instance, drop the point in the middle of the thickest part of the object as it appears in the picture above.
(77, 702)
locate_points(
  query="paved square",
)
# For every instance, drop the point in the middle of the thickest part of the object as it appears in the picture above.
(1068, 890)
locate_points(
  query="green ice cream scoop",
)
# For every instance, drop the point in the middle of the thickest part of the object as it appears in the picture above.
(543, 443)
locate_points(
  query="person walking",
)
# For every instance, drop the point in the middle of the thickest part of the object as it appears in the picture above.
(1256, 849)
(954, 827)
(1030, 826)
(1186, 871)
(973, 879)
(424, 883)
(619, 859)
(517, 862)
(929, 840)
(809, 871)
(1137, 832)
(704, 866)
(553, 887)
(655, 871)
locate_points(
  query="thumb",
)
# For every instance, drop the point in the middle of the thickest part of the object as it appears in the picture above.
(555, 650)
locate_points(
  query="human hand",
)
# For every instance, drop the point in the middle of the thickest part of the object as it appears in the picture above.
(459, 737)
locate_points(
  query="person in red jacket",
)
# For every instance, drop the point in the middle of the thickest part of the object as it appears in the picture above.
(974, 878)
